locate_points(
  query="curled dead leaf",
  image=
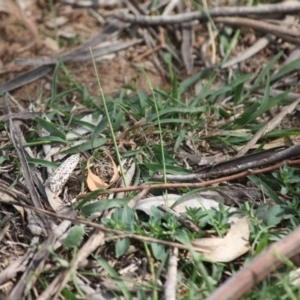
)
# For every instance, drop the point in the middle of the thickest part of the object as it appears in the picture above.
(94, 182)
(233, 245)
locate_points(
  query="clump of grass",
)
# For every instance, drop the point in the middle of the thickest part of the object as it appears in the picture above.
(170, 121)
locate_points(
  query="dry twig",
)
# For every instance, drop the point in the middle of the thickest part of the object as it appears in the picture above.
(259, 268)
(171, 282)
(267, 9)
(198, 184)
(249, 52)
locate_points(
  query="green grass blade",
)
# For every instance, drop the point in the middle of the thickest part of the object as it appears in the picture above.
(50, 127)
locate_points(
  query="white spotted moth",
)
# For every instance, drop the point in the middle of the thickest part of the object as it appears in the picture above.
(61, 175)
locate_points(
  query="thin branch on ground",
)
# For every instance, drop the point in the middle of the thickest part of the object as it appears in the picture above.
(260, 44)
(171, 282)
(98, 226)
(198, 184)
(267, 9)
(236, 165)
(259, 268)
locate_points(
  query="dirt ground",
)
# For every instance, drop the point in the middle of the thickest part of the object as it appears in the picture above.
(79, 24)
(59, 28)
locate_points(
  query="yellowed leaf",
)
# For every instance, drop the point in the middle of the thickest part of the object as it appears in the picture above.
(233, 245)
(94, 182)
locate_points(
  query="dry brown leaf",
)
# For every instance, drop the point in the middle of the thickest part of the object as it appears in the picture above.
(94, 182)
(11, 8)
(233, 245)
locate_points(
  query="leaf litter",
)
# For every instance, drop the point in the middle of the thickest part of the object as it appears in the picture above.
(130, 113)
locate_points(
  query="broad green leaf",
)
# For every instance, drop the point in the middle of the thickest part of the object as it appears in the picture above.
(74, 237)
(274, 215)
(158, 250)
(155, 214)
(122, 246)
(128, 218)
